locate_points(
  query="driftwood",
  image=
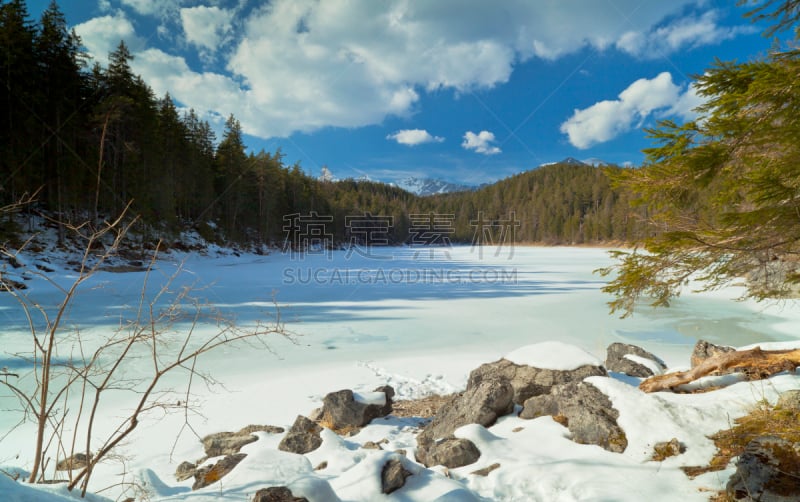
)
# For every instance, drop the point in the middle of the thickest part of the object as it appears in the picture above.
(755, 364)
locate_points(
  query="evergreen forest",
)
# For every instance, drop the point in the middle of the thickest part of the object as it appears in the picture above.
(86, 141)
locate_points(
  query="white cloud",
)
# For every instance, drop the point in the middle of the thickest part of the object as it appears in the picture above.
(608, 119)
(684, 33)
(301, 65)
(151, 7)
(685, 106)
(102, 35)
(480, 143)
(206, 27)
(413, 137)
(305, 64)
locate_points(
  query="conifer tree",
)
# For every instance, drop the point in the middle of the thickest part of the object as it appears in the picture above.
(723, 191)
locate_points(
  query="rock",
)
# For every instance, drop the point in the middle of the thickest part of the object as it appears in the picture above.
(277, 494)
(789, 400)
(342, 412)
(451, 452)
(226, 443)
(617, 362)
(322, 465)
(767, 471)
(211, 474)
(666, 449)
(393, 476)
(585, 411)
(269, 429)
(185, 470)
(303, 437)
(529, 381)
(486, 470)
(7, 284)
(77, 461)
(371, 445)
(703, 350)
(482, 404)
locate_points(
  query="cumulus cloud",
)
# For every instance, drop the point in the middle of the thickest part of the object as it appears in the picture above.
(413, 137)
(608, 119)
(301, 65)
(206, 27)
(688, 32)
(151, 7)
(102, 35)
(480, 143)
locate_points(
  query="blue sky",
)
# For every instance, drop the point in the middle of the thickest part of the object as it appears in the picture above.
(467, 91)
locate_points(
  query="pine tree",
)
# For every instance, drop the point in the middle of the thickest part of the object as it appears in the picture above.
(722, 191)
(18, 126)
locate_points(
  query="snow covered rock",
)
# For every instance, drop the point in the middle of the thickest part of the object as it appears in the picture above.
(303, 437)
(226, 443)
(633, 360)
(528, 380)
(451, 452)
(77, 461)
(277, 494)
(767, 471)
(346, 411)
(185, 470)
(393, 476)
(704, 350)
(211, 474)
(584, 410)
(482, 404)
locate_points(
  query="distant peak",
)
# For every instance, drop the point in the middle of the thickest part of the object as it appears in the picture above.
(429, 186)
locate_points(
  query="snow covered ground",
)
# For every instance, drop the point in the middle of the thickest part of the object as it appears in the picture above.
(419, 322)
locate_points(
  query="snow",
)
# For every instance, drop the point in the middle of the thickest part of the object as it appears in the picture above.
(647, 363)
(553, 356)
(422, 338)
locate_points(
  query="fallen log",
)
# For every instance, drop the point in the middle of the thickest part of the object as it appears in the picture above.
(755, 364)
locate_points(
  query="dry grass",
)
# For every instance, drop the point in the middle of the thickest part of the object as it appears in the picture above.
(425, 407)
(763, 420)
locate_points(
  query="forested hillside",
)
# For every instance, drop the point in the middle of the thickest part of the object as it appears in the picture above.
(88, 140)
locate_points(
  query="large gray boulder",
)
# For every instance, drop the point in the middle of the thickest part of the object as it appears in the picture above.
(482, 404)
(617, 361)
(529, 381)
(767, 471)
(703, 350)
(450, 452)
(585, 411)
(344, 411)
(303, 437)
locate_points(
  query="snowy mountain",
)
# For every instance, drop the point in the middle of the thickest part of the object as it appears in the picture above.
(575, 162)
(430, 186)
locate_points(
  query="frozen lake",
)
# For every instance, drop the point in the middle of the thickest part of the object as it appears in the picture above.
(405, 302)
(417, 320)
